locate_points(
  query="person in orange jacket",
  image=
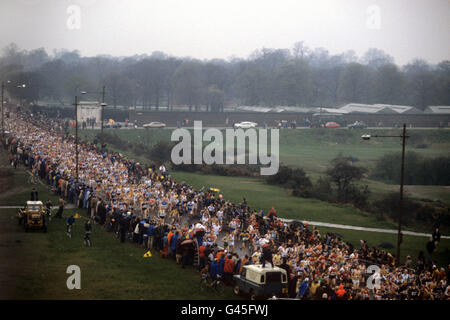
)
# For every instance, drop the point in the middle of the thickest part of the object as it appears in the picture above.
(340, 292)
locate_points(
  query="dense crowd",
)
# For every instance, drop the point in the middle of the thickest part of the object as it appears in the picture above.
(143, 204)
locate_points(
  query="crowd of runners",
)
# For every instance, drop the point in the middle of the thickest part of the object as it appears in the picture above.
(143, 204)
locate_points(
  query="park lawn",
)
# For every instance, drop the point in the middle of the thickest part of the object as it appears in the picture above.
(411, 245)
(311, 149)
(19, 188)
(260, 195)
(109, 269)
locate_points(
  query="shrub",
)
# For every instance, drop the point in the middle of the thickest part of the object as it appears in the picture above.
(161, 152)
(322, 190)
(418, 170)
(290, 178)
(389, 206)
(343, 174)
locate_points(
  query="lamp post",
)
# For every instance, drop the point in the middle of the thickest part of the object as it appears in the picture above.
(402, 174)
(3, 102)
(76, 138)
(3, 111)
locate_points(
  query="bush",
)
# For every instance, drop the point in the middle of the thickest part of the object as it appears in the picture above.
(140, 149)
(358, 196)
(418, 170)
(234, 170)
(389, 206)
(322, 190)
(290, 178)
(343, 174)
(161, 152)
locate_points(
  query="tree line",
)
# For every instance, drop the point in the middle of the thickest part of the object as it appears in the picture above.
(300, 76)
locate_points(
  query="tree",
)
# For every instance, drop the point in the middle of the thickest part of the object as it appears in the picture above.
(293, 83)
(376, 58)
(300, 50)
(389, 84)
(343, 174)
(268, 77)
(214, 99)
(188, 84)
(119, 89)
(442, 83)
(420, 80)
(26, 86)
(355, 83)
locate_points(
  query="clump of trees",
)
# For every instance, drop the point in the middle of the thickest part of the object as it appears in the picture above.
(344, 174)
(418, 169)
(158, 153)
(300, 76)
(290, 178)
(430, 213)
(339, 185)
(231, 170)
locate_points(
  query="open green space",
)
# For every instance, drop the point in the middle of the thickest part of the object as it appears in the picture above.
(313, 149)
(112, 270)
(33, 264)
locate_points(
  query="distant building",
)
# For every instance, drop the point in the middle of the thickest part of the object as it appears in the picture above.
(89, 110)
(379, 109)
(400, 109)
(438, 110)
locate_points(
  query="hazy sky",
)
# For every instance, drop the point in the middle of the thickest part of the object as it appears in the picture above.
(207, 29)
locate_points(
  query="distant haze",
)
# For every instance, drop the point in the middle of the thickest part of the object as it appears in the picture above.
(207, 29)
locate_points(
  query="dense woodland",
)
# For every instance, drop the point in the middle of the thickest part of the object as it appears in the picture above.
(300, 76)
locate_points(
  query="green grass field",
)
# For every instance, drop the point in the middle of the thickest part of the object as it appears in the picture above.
(111, 270)
(313, 150)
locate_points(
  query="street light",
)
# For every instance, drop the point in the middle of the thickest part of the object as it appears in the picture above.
(3, 102)
(402, 173)
(76, 138)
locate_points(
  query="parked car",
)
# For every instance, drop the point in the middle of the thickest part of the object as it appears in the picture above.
(332, 125)
(245, 125)
(114, 125)
(357, 125)
(154, 124)
(261, 282)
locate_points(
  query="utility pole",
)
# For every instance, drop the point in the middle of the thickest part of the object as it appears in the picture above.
(402, 175)
(400, 212)
(103, 106)
(3, 111)
(76, 138)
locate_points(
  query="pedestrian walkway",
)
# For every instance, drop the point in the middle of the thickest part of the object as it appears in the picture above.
(350, 227)
(67, 206)
(313, 223)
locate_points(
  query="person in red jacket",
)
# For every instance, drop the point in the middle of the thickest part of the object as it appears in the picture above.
(272, 214)
(201, 252)
(228, 269)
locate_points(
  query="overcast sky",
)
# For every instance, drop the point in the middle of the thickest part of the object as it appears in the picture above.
(206, 29)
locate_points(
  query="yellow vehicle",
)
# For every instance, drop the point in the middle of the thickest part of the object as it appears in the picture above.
(33, 216)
